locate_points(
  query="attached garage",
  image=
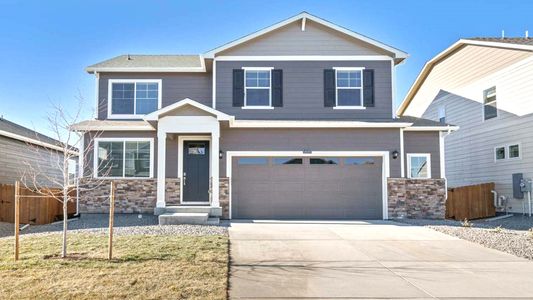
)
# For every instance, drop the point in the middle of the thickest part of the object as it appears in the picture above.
(307, 187)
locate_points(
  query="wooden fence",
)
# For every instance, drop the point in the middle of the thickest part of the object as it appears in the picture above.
(33, 210)
(471, 202)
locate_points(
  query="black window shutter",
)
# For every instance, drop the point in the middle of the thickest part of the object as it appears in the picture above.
(238, 87)
(329, 88)
(368, 88)
(277, 88)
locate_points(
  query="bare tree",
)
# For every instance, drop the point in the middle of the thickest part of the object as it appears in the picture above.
(52, 177)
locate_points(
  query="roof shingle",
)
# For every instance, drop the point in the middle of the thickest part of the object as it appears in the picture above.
(508, 40)
(149, 61)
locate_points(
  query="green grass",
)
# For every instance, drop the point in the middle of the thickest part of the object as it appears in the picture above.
(144, 267)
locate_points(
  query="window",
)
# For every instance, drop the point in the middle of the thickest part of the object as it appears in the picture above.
(510, 151)
(253, 161)
(324, 161)
(123, 158)
(499, 153)
(257, 88)
(130, 98)
(514, 151)
(196, 149)
(490, 109)
(442, 114)
(287, 161)
(72, 170)
(349, 87)
(356, 161)
(418, 166)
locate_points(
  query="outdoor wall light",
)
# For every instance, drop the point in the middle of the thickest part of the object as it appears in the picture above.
(220, 154)
(395, 154)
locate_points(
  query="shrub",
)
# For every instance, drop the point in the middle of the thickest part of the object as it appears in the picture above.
(466, 223)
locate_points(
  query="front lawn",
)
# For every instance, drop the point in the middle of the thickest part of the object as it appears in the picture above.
(144, 267)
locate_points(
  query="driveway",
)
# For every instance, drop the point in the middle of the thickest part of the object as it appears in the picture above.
(367, 260)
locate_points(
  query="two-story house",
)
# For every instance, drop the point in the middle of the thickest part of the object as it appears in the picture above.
(483, 85)
(294, 121)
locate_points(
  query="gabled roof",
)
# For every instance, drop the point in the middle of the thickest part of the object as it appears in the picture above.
(398, 54)
(521, 44)
(21, 133)
(154, 116)
(150, 63)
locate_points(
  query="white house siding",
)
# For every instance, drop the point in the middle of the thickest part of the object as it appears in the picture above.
(469, 151)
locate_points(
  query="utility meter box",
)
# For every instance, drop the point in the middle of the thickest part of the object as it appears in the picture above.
(517, 189)
(525, 185)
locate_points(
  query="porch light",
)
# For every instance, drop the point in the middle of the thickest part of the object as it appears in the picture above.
(220, 154)
(395, 154)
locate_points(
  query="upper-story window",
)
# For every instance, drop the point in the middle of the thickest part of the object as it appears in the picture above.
(349, 87)
(442, 114)
(257, 87)
(133, 98)
(490, 109)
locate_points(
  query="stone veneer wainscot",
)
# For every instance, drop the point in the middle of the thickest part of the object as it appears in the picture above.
(416, 198)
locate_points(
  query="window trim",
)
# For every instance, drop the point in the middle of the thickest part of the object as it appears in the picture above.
(485, 104)
(337, 106)
(124, 140)
(269, 106)
(110, 114)
(441, 113)
(428, 159)
(507, 152)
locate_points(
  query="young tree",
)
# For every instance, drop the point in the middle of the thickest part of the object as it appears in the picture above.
(53, 176)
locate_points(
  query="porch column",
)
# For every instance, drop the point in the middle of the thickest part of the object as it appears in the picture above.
(161, 159)
(215, 160)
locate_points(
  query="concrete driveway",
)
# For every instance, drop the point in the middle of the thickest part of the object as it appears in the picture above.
(368, 260)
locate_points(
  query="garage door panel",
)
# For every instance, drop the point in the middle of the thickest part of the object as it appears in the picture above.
(306, 191)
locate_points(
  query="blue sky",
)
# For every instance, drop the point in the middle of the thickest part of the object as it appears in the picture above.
(47, 44)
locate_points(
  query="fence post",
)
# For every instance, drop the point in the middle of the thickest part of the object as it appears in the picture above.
(17, 218)
(111, 218)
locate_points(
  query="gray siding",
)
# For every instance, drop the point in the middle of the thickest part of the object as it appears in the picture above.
(15, 155)
(423, 142)
(303, 90)
(175, 87)
(313, 139)
(317, 39)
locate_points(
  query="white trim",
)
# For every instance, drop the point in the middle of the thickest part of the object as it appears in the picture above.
(111, 127)
(314, 124)
(96, 94)
(214, 85)
(304, 58)
(124, 140)
(148, 69)
(428, 165)
(393, 89)
(442, 154)
(81, 156)
(154, 116)
(348, 69)
(181, 140)
(429, 65)
(34, 141)
(432, 128)
(269, 88)
(402, 153)
(110, 114)
(385, 166)
(396, 52)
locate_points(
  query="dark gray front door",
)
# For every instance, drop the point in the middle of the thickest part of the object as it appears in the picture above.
(307, 188)
(196, 171)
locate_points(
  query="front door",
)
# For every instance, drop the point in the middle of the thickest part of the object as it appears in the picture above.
(195, 171)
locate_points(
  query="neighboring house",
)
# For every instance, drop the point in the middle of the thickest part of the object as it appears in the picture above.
(23, 149)
(295, 121)
(484, 86)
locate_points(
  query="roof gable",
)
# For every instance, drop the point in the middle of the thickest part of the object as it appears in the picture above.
(190, 108)
(304, 22)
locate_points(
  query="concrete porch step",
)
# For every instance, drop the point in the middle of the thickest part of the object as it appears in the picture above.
(213, 221)
(183, 218)
(212, 211)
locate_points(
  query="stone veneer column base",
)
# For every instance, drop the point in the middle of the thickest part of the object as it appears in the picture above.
(223, 196)
(416, 198)
(132, 195)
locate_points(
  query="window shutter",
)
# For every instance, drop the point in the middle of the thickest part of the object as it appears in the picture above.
(277, 88)
(238, 88)
(368, 88)
(329, 88)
